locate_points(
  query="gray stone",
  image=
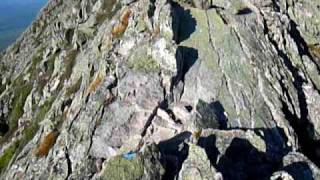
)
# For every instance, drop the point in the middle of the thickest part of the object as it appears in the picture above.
(226, 85)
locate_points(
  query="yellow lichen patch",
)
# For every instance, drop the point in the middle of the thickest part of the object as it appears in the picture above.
(95, 83)
(315, 50)
(122, 25)
(197, 134)
(46, 144)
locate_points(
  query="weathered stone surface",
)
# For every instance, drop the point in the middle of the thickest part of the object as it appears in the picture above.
(142, 166)
(197, 166)
(201, 89)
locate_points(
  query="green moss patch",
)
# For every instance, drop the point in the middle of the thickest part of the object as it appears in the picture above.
(7, 156)
(144, 64)
(121, 168)
(27, 135)
(21, 93)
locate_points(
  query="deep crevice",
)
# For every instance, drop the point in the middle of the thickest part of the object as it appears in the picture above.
(68, 163)
(162, 105)
(174, 151)
(301, 126)
(184, 24)
(303, 48)
(244, 11)
(308, 146)
(242, 159)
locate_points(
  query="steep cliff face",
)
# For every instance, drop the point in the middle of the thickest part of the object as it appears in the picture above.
(157, 89)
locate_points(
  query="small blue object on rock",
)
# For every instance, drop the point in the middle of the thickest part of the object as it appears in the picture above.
(130, 155)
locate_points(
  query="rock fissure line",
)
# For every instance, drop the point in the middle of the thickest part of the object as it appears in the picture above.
(300, 125)
(165, 94)
(69, 164)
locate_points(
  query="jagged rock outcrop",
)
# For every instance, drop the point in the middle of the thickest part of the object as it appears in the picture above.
(160, 89)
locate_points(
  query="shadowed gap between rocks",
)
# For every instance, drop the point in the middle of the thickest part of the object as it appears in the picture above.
(302, 127)
(4, 127)
(174, 151)
(183, 26)
(189, 56)
(241, 156)
(186, 57)
(242, 160)
(308, 146)
(163, 105)
(182, 22)
(303, 48)
(299, 170)
(212, 115)
(244, 11)
(209, 145)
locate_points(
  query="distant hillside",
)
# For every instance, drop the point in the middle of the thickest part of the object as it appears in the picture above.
(15, 17)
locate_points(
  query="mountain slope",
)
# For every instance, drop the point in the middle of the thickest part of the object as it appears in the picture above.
(107, 89)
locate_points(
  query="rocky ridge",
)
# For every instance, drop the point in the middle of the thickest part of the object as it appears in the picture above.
(157, 89)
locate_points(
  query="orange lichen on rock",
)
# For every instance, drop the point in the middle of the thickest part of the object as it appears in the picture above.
(118, 30)
(122, 25)
(46, 144)
(124, 18)
(95, 83)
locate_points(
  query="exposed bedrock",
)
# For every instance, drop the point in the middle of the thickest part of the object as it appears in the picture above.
(157, 89)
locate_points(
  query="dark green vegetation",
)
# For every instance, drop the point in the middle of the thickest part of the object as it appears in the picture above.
(27, 134)
(21, 92)
(21, 88)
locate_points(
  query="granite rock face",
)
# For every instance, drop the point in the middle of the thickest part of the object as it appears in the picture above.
(158, 89)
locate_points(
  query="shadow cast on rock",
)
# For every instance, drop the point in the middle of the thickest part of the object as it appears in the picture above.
(243, 161)
(275, 139)
(186, 57)
(182, 22)
(212, 115)
(209, 145)
(244, 11)
(4, 127)
(220, 113)
(174, 152)
(305, 132)
(299, 170)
